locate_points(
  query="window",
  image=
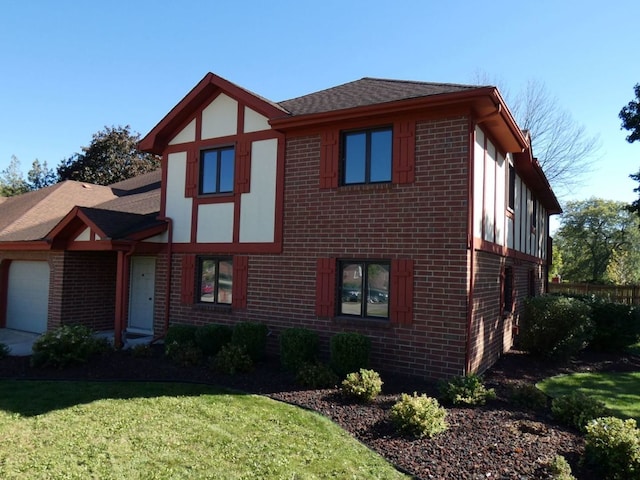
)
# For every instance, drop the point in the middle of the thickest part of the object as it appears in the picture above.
(367, 156)
(216, 170)
(364, 289)
(215, 280)
(512, 187)
(532, 283)
(534, 215)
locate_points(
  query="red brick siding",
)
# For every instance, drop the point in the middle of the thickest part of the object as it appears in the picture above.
(425, 221)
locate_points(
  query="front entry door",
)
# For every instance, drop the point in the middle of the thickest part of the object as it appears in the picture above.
(141, 294)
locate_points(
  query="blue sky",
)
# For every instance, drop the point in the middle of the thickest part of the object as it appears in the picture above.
(69, 68)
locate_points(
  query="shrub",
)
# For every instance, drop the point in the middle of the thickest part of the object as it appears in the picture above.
(232, 359)
(297, 347)
(4, 350)
(251, 336)
(555, 327)
(211, 338)
(141, 350)
(528, 396)
(420, 416)
(186, 354)
(66, 345)
(616, 325)
(577, 409)
(181, 334)
(612, 446)
(349, 353)
(559, 469)
(363, 385)
(465, 390)
(316, 375)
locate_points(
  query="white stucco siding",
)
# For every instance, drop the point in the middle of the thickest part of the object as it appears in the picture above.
(215, 223)
(178, 208)
(220, 118)
(517, 213)
(84, 236)
(254, 122)
(478, 182)
(257, 208)
(490, 193)
(187, 134)
(501, 200)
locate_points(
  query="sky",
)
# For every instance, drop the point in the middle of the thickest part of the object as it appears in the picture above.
(70, 68)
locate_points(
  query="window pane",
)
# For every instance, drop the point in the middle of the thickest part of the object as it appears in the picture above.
(354, 157)
(207, 280)
(209, 171)
(225, 281)
(381, 156)
(378, 290)
(351, 295)
(226, 170)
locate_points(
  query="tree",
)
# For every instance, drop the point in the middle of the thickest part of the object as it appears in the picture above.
(41, 175)
(630, 116)
(111, 157)
(11, 179)
(599, 241)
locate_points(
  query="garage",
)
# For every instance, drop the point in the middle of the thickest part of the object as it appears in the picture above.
(28, 296)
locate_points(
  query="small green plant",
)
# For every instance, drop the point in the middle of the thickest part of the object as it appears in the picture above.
(363, 385)
(211, 338)
(184, 354)
(141, 350)
(577, 409)
(4, 350)
(419, 415)
(316, 375)
(253, 337)
(66, 345)
(297, 347)
(528, 396)
(612, 446)
(465, 390)
(349, 352)
(232, 359)
(559, 469)
(181, 334)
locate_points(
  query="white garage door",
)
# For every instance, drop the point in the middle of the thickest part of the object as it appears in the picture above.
(28, 296)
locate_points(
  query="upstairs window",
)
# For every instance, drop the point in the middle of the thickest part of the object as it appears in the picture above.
(215, 280)
(364, 289)
(216, 170)
(512, 188)
(367, 156)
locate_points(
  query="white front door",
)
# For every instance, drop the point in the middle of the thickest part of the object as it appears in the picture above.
(141, 294)
(28, 296)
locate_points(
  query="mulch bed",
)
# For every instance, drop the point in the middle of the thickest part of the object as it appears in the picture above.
(495, 441)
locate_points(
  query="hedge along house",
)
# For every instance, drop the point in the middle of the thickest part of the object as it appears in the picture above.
(76, 253)
(411, 212)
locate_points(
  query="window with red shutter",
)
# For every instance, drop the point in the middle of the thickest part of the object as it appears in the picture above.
(187, 294)
(325, 287)
(240, 281)
(191, 183)
(402, 291)
(364, 288)
(404, 152)
(329, 151)
(243, 167)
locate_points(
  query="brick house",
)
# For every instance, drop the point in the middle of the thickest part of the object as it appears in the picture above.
(411, 212)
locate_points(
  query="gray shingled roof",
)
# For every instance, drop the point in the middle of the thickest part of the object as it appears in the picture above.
(367, 91)
(118, 224)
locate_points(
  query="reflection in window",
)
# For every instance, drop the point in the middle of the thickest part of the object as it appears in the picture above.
(367, 156)
(216, 170)
(216, 280)
(364, 289)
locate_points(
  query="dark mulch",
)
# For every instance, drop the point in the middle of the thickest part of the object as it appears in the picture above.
(496, 441)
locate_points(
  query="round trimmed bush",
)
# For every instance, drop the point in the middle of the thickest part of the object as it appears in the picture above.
(419, 415)
(298, 346)
(349, 352)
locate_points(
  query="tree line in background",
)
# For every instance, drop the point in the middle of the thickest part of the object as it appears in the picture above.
(112, 156)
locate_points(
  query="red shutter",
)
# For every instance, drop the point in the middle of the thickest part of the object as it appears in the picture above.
(191, 183)
(404, 151)
(329, 159)
(325, 287)
(187, 294)
(402, 292)
(240, 280)
(243, 167)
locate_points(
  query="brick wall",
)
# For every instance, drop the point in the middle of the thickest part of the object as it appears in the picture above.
(425, 221)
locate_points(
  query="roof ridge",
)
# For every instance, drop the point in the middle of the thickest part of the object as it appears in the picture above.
(421, 82)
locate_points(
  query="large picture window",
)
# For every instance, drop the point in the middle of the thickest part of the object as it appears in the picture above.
(367, 156)
(215, 280)
(216, 170)
(364, 289)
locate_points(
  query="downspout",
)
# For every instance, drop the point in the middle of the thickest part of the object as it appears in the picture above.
(470, 212)
(167, 293)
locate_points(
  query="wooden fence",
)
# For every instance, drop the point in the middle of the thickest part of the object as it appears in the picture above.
(629, 294)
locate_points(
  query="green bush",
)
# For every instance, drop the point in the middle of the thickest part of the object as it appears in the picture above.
(363, 385)
(316, 375)
(528, 396)
(297, 347)
(211, 338)
(141, 350)
(577, 410)
(232, 359)
(559, 469)
(253, 337)
(4, 350)
(186, 354)
(419, 415)
(616, 325)
(612, 446)
(349, 353)
(66, 345)
(555, 327)
(465, 390)
(181, 334)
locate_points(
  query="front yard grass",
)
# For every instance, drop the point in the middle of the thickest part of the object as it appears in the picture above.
(620, 391)
(112, 430)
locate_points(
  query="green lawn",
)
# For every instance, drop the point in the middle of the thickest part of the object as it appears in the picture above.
(620, 392)
(80, 430)
(634, 349)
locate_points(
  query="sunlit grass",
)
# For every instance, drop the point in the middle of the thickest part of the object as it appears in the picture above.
(634, 349)
(620, 392)
(150, 430)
